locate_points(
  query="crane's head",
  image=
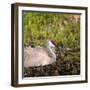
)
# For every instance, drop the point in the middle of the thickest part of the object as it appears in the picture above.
(51, 43)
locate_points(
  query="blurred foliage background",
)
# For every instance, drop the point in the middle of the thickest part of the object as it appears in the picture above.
(61, 27)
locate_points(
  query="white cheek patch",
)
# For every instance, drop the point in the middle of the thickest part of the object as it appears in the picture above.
(51, 44)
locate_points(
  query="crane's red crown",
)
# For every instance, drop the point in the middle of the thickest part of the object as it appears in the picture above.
(53, 42)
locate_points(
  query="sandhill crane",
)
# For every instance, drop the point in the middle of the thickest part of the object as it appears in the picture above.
(40, 56)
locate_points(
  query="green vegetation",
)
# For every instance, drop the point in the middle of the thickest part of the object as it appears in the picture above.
(63, 28)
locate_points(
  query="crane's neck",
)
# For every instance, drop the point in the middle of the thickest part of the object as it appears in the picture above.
(51, 52)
